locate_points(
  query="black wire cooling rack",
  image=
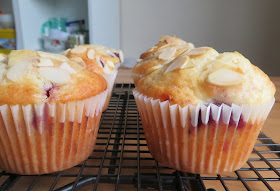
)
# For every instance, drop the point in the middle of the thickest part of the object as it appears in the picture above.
(121, 161)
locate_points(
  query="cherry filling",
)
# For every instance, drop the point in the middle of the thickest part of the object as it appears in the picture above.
(102, 63)
(117, 54)
(49, 91)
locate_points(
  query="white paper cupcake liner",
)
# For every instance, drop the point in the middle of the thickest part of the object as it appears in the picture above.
(110, 78)
(38, 139)
(203, 138)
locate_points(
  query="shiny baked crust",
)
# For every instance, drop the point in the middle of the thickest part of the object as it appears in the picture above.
(197, 81)
(34, 88)
(151, 58)
(102, 61)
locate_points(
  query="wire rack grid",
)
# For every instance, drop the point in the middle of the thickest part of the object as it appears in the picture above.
(121, 161)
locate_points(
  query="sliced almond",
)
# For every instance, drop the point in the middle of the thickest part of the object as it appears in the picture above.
(79, 60)
(78, 50)
(151, 49)
(225, 77)
(65, 66)
(2, 57)
(187, 46)
(45, 62)
(110, 64)
(163, 38)
(190, 45)
(100, 48)
(190, 63)
(181, 42)
(55, 75)
(152, 69)
(164, 46)
(167, 61)
(106, 69)
(175, 41)
(17, 71)
(177, 63)
(52, 56)
(171, 40)
(91, 53)
(167, 53)
(64, 53)
(198, 51)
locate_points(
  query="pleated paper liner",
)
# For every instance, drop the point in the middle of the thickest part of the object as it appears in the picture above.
(110, 78)
(39, 139)
(201, 139)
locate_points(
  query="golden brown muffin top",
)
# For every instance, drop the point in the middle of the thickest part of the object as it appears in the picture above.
(96, 58)
(203, 75)
(34, 77)
(164, 51)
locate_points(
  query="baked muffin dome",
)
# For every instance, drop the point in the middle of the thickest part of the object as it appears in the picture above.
(202, 75)
(96, 58)
(34, 77)
(167, 48)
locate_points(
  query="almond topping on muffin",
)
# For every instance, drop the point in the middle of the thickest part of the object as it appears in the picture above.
(151, 49)
(167, 61)
(225, 77)
(163, 47)
(52, 56)
(174, 41)
(110, 64)
(18, 70)
(65, 66)
(167, 53)
(180, 62)
(78, 49)
(152, 69)
(79, 60)
(97, 57)
(198, 51)
(55, 75)
(45, 62)
(163, 38)
(91, 53)
(190, 63)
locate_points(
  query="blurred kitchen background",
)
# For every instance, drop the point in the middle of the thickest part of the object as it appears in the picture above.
(251, 27)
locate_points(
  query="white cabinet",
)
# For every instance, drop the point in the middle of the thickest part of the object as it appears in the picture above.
(102, 18)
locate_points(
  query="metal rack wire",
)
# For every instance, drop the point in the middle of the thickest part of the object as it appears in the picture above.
(121, 161)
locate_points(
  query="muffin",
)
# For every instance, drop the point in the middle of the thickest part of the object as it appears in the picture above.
(101, 60)
(163, 52)
(202, 112)
(50, 109)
